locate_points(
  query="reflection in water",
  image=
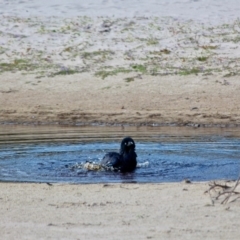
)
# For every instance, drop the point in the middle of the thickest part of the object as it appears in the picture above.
(44, 154)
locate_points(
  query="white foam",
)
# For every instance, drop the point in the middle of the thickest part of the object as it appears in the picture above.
(144, 164)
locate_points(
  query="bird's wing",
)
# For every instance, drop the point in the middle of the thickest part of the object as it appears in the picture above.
(111, 160)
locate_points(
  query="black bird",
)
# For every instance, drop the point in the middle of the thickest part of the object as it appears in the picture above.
(125, 160)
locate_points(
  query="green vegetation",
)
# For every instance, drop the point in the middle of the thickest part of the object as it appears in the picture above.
(103, 73)
(2, 50)
(65, 72)
(102, 53)
(42, 29)
(189, 71)
(129, 79)
(206, 47)
(68, 49)
(152, 41)
(154, 71)
(155, 52)
(108, 87)
(165, 51)
(140, 68)
(202, 59)
(17, 64)
(231, 74)
(138, 47)
(236, 39)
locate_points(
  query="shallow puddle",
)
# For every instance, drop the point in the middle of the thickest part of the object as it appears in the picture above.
(51, 154)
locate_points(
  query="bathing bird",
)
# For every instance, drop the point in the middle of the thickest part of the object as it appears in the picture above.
(125, 160)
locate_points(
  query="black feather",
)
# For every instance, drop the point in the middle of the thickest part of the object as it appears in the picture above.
(125, 160)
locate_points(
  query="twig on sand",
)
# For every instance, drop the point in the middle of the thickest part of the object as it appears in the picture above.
(223, 190)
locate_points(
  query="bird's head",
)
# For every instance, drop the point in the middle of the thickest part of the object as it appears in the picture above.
(127, 144)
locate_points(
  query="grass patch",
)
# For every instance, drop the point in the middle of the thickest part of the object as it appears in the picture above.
(154, 71)
(209, 47)
(236, 39)
(129, 79)
(103, 54)
(163, 51)
(17, 64)
(103, 73)
(140, 68)
(68, 49)
(2, 50)
(104, 88)
(231, 74)
(189, 72)
(42, 29)
(65, 72)
(152, 41)
(155, 52)
(202, 59)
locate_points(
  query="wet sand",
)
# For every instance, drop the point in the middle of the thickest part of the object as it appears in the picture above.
(80, 99)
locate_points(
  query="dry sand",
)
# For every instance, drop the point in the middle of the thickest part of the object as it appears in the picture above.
(115, 211)
(110, 70)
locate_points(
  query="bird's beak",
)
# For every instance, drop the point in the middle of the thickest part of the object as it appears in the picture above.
(130, 143)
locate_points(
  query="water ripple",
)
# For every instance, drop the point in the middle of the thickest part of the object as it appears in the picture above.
(197, 156)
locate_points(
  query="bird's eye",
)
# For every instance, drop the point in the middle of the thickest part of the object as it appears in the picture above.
(125, 143)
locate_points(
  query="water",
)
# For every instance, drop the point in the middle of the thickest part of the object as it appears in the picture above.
(49, 154)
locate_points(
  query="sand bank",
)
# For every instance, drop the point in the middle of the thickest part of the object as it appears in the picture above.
(95, 68)
(82, 99)
(119, 71)
(114, 211)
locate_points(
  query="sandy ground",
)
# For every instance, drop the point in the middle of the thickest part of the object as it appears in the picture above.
(201, 10)
(81, 99)
(97, 62)
(115, 211)
(113, 70)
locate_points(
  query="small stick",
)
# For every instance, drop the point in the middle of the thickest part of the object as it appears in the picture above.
(230, 193)
(225, 190)
(214, 185)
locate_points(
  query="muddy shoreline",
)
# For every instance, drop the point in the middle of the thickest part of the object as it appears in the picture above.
(193, 101)
(100, 124)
